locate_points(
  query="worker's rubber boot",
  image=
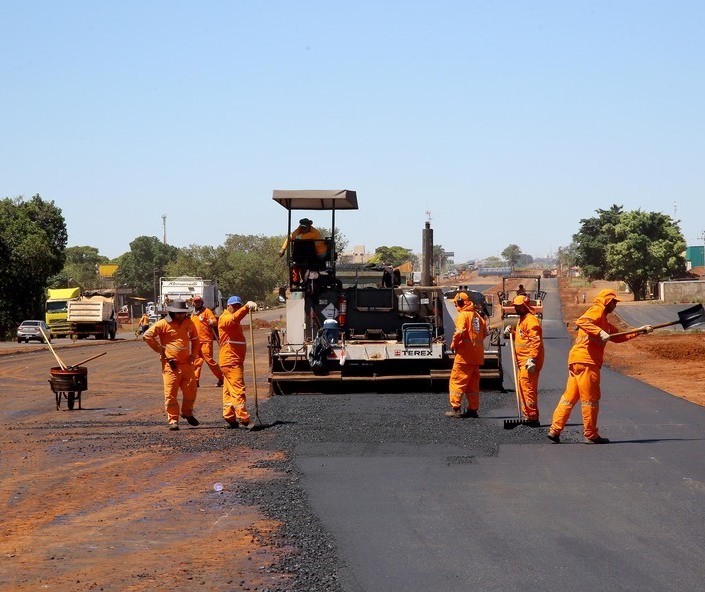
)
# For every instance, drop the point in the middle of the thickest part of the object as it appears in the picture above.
(471, 413)
(532, 423)
(555, 438)
(454, 413)
(597, 440)
(192, 421)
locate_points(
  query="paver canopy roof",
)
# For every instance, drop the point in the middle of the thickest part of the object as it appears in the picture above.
(316, 199)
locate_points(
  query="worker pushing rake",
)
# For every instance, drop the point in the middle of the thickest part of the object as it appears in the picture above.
(526, 345)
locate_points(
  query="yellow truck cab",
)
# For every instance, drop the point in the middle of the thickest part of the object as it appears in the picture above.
(56, 309)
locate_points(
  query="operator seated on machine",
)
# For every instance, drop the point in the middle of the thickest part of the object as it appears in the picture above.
(305, 231)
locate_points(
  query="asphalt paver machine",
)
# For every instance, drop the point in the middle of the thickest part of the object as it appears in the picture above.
(356, 327)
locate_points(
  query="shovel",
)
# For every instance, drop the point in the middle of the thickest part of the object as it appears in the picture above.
(510, 424)
(688, 318)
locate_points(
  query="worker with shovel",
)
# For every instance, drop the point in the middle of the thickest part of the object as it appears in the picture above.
(468, 344)
(231, 358)
(584, 363)
(206, 325)
(175, 339)
(528, 345)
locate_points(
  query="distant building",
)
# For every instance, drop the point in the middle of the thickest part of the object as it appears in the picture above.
(357, 255)
(694, 257)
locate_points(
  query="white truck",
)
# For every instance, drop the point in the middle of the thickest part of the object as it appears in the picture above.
(186, 288)
(92, 314)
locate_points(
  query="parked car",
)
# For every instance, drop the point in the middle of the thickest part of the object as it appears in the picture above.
(30, 330)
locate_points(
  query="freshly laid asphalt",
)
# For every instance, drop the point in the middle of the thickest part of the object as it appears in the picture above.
(399, 497)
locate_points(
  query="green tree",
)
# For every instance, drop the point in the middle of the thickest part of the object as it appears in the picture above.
(80, 269)
(250, 266)
(32, 241)
(493, 262)
(395, 256)
(196, 261)
(440, 258)
(592, 239)
(639, 248)
(141, 267)
(512, 254)
(566, 258)
(649, 247)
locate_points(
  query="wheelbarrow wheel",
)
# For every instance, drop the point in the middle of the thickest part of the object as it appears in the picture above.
(71, 398)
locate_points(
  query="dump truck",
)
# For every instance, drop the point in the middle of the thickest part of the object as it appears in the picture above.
(93, 314)
(188, 287)
(351, 328)
(56, 308)
(530, 286)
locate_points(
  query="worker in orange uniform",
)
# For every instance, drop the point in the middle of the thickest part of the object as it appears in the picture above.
(528, 348)
(468, 344)
(584, 363)
(206, 325)
(144, 323)
(175, 339)
(305, 231)
(233, 348)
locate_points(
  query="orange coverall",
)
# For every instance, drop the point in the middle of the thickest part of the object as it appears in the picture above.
(320, 246)
(205, 320)
(584, 364)
(178, 342)
(233, 348)
(468, 343)
(528, 343)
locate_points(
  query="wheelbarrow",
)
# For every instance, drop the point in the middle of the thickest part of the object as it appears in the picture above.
(68, 383)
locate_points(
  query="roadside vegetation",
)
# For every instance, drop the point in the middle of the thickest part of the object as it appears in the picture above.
(639, 248)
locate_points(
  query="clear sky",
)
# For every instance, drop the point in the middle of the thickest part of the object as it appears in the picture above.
(508, 121)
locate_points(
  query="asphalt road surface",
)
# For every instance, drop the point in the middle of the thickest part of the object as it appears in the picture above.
(383, 493)
(441, 504)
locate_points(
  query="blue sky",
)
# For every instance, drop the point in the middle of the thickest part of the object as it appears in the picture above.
(507, 121)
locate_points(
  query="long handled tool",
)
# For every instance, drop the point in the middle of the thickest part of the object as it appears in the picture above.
(254, 365)
(688, 318)
(86, 360)
(510, 424)
(46, 339)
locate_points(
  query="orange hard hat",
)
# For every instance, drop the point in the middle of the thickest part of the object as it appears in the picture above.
(522, 300)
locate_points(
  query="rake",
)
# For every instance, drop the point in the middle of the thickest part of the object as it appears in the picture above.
(510, 424)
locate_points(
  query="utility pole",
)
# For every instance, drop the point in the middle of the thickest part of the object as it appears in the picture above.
(164, 228)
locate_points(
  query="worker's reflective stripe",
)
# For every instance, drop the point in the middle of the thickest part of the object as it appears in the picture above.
(236, 342)
(176, 347)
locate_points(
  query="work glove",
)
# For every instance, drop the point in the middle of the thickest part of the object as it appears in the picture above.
(604, 336)
(507, 331)
(530, 365)
(646, 329)
(251, 305)
(172, 363)
(281, 253)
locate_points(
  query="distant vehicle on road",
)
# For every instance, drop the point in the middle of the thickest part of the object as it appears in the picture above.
(30, 331)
